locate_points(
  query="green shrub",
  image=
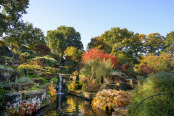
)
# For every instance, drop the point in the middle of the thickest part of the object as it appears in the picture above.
(51, 62)
(24, 49)
(30, 66)
(24, 56)
(48, 69)
(37, 76)
(23, 79)
(64, 70)
(55, 80)
(6, 83)
(8, 58)
(97, 69)
(2, 66)
(34, 76)
(44, 80)
(55, 56)
(159, 105)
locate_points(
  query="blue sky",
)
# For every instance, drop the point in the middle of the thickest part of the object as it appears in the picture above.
(93, 17)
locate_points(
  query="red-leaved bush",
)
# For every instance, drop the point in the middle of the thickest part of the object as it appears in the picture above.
(42, 49)
(95, 53)
(126, 67)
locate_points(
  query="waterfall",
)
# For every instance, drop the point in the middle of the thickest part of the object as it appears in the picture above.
(60, 85)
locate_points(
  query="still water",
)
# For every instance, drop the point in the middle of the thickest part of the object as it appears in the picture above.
(68, 105)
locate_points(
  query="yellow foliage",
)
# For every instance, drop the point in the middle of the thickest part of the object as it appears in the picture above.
(29, 66)
(70, 51)
(111, 99)
(72, 86)
(52, 90)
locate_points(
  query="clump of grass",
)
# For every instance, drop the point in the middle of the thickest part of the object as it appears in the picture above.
(23, 79)
(2, 66)
(6, 83)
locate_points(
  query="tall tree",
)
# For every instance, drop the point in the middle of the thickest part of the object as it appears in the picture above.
(61, 38)
(98, 42)
(154, 43)
(169, 45)
(125, 45)
(25, 35)
(11, 12)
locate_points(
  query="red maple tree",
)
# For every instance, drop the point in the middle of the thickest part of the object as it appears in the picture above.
(94, 53)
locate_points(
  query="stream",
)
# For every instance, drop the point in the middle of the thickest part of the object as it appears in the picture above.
(69, 105)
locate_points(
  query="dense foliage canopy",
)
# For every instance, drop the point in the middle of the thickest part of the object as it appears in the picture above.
(61, 38)
(151, 63)
(25, 34)
(11, 13)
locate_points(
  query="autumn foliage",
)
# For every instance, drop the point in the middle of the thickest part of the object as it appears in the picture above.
(111, 99)
(95, 53)
(152, 64)
(42, 49)
(52, 90)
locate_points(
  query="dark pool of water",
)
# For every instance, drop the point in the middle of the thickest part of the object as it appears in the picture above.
(69, 105)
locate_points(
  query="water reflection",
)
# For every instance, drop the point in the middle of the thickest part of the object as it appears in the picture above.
(68, 105)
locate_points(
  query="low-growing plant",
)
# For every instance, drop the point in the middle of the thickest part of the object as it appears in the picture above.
(51, 62)
(8, 58)
(29, 66)
(24, 56)
(48, 93)
(11, 69)
(23, 79)
(23, 109)
(34, 75)
(6, 83)
(21, 71)
(34, 87)
(110, 99)
(2, 93)
(52, 90)
(72, 86)
(50, 69)
(39, 77)
(55, 79)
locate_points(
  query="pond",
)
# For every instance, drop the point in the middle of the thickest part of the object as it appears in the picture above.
(69, 105)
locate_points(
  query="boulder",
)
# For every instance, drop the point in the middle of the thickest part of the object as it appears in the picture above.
(23, 86)
(109, 86)
(38, 80)
(16, 98)
(5, 74)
